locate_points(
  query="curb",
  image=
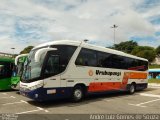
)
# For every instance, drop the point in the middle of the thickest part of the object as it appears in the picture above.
(153, 85)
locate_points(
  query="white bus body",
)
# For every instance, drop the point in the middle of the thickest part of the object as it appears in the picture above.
(73, 69)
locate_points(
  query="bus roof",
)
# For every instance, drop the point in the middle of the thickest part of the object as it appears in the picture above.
(6, 59)
(89, 46)
(154, 70)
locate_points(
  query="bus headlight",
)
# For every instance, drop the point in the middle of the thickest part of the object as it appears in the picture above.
(35, 86)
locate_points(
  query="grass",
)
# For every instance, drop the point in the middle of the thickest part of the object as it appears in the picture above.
(154, 66)
(154, 81)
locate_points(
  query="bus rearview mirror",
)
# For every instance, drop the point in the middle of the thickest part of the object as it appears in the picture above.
(19, 56)
(40, 52)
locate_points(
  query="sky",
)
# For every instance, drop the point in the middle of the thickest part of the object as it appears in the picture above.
(32, 22)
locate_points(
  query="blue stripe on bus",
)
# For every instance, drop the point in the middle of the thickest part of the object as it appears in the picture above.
(43, 96)
(65, 92)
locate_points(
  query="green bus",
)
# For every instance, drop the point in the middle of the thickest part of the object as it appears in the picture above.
(6, 67)
(17, 71)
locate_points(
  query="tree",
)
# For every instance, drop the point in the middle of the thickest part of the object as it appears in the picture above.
(26, 50)
(126, 47)
(144, 52)
(158, 50)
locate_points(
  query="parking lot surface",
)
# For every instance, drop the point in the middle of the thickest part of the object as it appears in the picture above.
(142, 102)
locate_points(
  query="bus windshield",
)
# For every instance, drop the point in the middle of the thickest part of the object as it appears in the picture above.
(57, 59)
(18, 70)
(31, 68)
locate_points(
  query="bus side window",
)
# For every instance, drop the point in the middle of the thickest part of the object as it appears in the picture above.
(79, 61)
(87, 57)
(6, 70)
(1, 70)
(103, 59)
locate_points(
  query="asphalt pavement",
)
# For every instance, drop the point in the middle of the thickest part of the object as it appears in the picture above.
(142, 102)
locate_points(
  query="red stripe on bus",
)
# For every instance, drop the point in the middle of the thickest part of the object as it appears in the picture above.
(103, 86)
(137, 68)
(137, 75)
(106, 86)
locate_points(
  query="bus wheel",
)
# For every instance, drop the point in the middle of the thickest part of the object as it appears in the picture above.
(77, 94)
(132, 89)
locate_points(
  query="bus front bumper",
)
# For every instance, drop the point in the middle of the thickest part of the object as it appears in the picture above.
(45, 94)
(32, 94)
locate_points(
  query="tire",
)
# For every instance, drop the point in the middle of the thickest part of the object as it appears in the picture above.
(132, 89)
(77, 94)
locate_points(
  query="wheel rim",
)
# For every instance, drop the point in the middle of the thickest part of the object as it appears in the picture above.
(132, 89)
(78, 94)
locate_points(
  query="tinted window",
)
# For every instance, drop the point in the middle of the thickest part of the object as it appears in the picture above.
(108, 60)
(65, 52)
(5, 69)
(119, 62)
(139, 65)
(104, 59)
(87, 57)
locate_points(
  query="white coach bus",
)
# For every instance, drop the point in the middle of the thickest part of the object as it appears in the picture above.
(63, 69)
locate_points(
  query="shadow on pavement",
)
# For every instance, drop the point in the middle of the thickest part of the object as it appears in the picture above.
(11, 90)
(89, 99)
